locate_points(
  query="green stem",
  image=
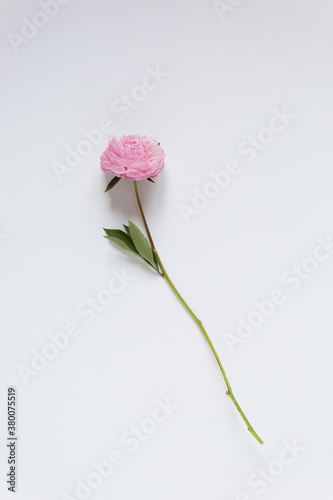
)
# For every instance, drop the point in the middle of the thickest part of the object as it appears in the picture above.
(195, 318)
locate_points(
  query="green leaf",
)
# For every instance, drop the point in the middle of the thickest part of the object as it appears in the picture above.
(127, 229)
(124, 240)
(121, 239)
(150, 180)
(112, 183)
(159, 143)
(156, 263)
(142, 245)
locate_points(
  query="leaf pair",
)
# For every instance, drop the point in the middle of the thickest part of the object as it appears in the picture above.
(133, 241)
(115, 181)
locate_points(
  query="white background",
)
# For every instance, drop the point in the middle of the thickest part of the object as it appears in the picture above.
(225, 78)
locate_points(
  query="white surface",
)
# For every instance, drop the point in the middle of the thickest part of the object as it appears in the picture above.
(225, 78)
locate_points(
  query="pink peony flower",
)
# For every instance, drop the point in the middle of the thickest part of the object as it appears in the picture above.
(133, 157)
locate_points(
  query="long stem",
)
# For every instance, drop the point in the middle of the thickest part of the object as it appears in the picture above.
(195, 318)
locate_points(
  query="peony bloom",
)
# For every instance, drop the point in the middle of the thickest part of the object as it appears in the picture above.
(133, 157)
